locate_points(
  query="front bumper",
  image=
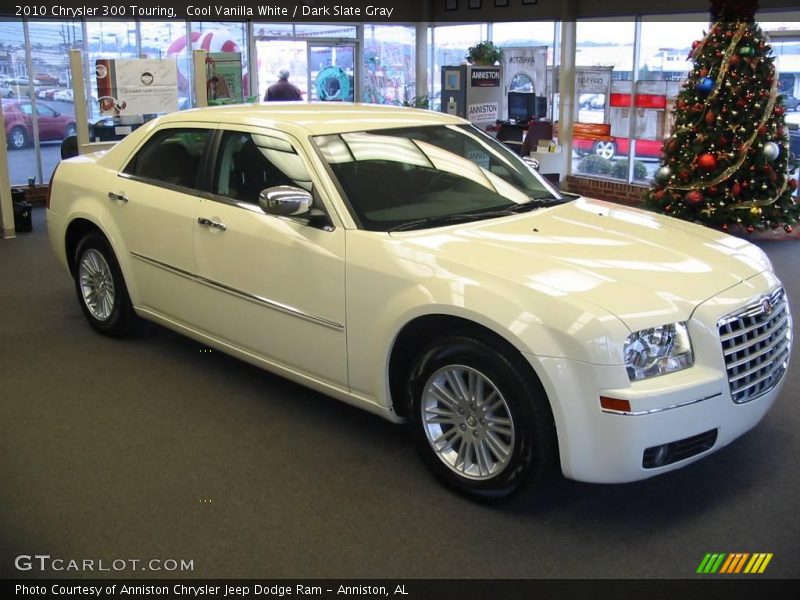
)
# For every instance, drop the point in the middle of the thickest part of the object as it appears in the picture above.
(609, 447)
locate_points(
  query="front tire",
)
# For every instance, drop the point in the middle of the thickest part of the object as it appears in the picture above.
(17, 138)
(101, 288)
(480, 420)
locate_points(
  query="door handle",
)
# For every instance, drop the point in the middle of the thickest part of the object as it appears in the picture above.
(204, 222)
(119, 197)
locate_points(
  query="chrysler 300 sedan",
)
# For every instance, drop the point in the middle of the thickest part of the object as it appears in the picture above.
(406, 263)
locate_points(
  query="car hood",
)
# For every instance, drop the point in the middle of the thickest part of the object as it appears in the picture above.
(645, 268)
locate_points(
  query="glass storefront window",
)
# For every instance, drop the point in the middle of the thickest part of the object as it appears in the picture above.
(604, 65)
(389, 64)
(331, 30)
(37, 101)
(450, 48)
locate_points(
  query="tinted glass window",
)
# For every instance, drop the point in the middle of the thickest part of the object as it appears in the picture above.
(395, 177)
(171, 156)
(250, 163)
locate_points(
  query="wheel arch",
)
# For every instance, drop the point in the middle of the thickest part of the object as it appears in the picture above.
(77, 230)
(422, 330)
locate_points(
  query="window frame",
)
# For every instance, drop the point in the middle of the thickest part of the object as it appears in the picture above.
(202, 179)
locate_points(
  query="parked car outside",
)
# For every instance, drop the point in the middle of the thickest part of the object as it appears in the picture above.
(613, 146)
(404, 262)
(63, 95)
(789, 102)
(18, 116)
(46, 79)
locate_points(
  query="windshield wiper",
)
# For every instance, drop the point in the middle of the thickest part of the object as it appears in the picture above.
(465, 217)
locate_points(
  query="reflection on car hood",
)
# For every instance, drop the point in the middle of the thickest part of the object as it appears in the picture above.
(643, 267)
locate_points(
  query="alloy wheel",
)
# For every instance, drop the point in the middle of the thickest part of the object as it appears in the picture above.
(467, 422)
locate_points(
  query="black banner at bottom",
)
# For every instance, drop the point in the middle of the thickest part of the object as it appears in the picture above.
(712, 588)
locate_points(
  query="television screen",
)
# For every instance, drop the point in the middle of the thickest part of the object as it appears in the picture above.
(523, 106)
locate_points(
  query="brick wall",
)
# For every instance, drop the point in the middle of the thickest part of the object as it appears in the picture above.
(606, 189)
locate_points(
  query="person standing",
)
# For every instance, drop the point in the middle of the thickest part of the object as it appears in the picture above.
(282, 90)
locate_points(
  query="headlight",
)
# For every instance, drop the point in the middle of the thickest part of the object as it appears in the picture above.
(657, 351)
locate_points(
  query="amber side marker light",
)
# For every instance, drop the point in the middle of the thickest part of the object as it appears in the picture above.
(615, 404)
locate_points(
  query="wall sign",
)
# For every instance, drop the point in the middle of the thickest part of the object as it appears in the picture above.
(136, 87)
(480, 113)
(485, 77)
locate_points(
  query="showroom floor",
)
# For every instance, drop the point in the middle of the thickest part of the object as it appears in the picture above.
(154, 447)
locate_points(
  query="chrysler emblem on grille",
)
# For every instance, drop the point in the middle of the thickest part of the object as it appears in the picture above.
(766, 306)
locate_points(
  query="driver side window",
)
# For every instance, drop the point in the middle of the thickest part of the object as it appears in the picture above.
(249, 163)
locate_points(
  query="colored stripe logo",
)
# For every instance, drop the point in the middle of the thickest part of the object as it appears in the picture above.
(734, 563)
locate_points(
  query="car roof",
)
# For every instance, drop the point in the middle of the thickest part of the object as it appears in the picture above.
(315, 118)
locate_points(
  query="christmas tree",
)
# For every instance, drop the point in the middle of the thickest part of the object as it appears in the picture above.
(725, 163)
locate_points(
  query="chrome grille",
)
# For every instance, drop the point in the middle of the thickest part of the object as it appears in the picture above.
(755, 343)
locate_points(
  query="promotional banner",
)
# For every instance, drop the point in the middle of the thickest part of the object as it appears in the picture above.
(136, 87)
(224, 78)
(524, 70)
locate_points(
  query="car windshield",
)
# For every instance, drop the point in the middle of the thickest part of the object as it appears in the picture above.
(428, 176)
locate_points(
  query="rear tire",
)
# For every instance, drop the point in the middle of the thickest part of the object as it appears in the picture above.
(480, 420)
(605, 149)
(101, 288)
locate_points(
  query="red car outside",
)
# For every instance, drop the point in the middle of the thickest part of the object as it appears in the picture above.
(18, 116)
(617, 146)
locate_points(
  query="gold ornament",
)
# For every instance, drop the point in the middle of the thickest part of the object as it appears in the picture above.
(755, 211)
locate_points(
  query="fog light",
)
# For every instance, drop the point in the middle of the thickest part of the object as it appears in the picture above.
(660, 455)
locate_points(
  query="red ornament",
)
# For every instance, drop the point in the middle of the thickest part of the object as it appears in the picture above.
(703, 72)
(736, 189)
(762, 130)
(659, 196)
(712, 191)
(684, 175)
(750, 229)
(792, 183)
(734, 60)
(697, 107)
(788, 229)
(707, 162)
(694, 197)
(778, 110)
(710, 117)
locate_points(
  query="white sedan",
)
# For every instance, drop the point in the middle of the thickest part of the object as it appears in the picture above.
(406, 263)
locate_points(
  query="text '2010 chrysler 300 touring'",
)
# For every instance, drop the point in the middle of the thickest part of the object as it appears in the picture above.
(407, 263)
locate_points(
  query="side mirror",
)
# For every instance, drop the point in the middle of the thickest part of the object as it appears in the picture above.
(285, 201)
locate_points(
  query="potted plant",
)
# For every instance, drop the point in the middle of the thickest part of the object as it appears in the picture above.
(484, 54)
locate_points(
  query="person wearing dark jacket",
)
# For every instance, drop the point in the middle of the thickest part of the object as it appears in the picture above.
(282, 90)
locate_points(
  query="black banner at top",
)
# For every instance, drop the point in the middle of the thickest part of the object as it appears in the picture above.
(375, 11)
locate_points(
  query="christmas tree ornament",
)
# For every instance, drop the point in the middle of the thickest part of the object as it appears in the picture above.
(750, 229)
(734, 60)
(788, 229)
(710, 117)
(792, 184)
(663, 173)
(705, 86)
(694, 197)
(778, 110)
(736, 189)
(707, 162)
(771, 151)
(755, 211)
(747, 51)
